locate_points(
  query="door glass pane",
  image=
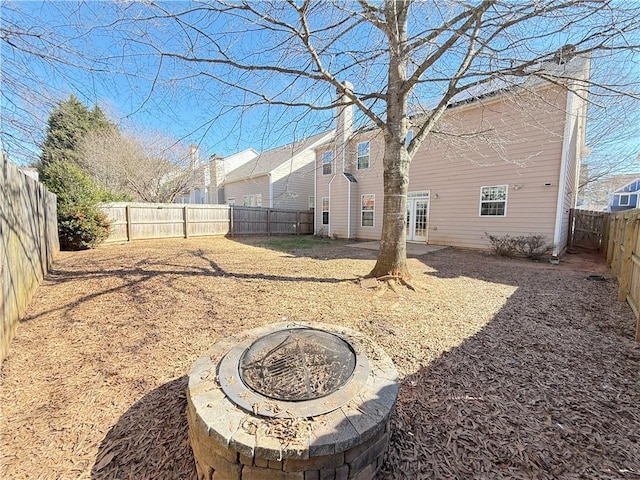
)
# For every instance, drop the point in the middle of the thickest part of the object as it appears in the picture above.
(421, 218)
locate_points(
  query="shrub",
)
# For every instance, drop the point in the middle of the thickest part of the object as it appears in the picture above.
(533, 247)
(503, 246)
(80, 224)
(82, 228)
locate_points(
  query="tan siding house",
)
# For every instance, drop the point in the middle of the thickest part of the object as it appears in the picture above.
(279, 178)
(506, 164)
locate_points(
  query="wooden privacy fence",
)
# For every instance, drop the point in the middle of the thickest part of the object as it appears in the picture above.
(621, 248)
(137, 221)
(28, 244)
(587, 229)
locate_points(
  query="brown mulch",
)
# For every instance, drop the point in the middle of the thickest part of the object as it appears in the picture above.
(509, 369)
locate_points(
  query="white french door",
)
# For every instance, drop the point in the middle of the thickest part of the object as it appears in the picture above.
(418, 217)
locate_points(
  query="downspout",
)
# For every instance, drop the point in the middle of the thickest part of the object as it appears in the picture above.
(562, 187)
(315, 200)
(348, 207)
(329, 225)
(270, 192)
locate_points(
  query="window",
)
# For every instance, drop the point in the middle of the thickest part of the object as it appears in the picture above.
(368, 210)
(493, 201)
(623, 200)
(231, 201)
(258, 202)
(312, 202)
(325, 210)
(364, 149)
(327, 161)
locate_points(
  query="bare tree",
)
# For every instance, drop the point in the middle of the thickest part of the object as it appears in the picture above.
(42, 62)
(396, 53)
(151, 167)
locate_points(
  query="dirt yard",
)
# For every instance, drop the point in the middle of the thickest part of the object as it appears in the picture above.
(510, 369)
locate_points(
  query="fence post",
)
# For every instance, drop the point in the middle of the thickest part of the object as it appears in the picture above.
(627, 259)
(231, 220)
(268, 223)
(127, 216)
(185, 214)
(298, 222)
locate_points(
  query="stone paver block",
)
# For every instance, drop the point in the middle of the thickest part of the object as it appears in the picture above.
(370, 456)
(342, 473)
(332, 433)
(257, 473)
(314, 463)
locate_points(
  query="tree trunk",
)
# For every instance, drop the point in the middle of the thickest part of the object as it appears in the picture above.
(392, 256)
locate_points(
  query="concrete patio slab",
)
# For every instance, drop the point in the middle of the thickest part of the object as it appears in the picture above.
(412, 248)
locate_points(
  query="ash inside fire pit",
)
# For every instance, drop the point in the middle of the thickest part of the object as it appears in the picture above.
(297, 364)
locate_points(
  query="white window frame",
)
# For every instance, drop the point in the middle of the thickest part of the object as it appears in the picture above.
(231, 201)
(312, 202)
(620, 195)
(258, 200)
(364, 210)
(359, 157)
(327, 154)
(506, 195)
(328, 210)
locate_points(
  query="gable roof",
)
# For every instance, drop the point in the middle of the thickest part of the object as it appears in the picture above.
(268, 161)
(546, 73)
(632, 186)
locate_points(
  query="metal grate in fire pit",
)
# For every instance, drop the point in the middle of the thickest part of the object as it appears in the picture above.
(294, 370)
(297, 364)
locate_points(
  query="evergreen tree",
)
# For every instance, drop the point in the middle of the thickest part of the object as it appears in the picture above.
(67, 125)
(81, 224)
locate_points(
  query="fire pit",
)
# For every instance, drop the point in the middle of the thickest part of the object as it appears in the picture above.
(291, 401)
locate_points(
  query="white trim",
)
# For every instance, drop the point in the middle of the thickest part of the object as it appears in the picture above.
(270, 192)
(348, 208)
(328, 212)
(315, 194)
(329, 197)
(562, 178)
(506, 201)
(330, 163)
(362, 210)
(358, 156)
(620, 195)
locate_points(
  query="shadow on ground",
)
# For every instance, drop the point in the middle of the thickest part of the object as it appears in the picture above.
(150, 441)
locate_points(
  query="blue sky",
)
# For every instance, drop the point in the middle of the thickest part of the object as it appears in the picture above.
(178, 99)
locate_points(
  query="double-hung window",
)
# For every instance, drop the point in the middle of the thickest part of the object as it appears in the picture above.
(325, 210)
(493, 201)
(368, 210)
(327, 162)
(363, 154)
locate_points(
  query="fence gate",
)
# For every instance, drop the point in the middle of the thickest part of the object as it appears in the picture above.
(586, 229)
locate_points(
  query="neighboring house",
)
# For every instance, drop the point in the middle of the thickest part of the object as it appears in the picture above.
(505, 162)
(596, 194)
(208, 177)
(625, 198)
(279, 178)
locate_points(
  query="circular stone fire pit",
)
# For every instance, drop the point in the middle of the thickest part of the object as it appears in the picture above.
(291, 401)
